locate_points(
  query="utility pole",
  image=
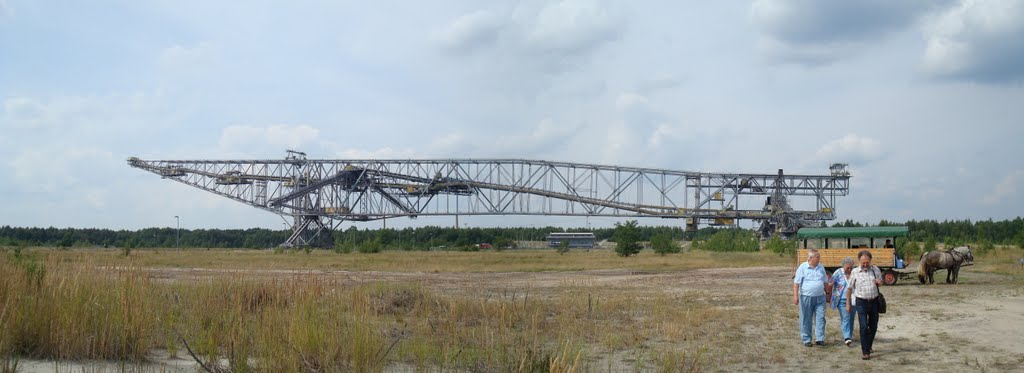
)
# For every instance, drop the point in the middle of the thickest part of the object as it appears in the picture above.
(177, 233)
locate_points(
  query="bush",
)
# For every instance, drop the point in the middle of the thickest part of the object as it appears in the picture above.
(563, 247)
(370, 247)
(909, 250)
(341, 247)
(627, 239)
(985, 246)
(730, 240)
(782, 247)
(662, 244)
(929, 245)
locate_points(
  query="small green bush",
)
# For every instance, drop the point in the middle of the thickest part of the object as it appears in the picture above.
(662, 244)
(627, 239)
(779, 246)
(730, 240)
(563, 247)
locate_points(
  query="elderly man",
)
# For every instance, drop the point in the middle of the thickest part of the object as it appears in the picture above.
(809, 286)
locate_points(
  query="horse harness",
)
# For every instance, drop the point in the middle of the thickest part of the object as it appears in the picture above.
(957, 256)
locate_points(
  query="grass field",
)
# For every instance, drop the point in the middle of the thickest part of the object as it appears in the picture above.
(421, 261)
(410, 311)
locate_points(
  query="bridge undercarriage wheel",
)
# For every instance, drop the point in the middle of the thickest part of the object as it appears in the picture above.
(889, 277)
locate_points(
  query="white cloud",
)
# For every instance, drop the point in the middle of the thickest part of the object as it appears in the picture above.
(852, 149)
(380, 153)
(52, 170)
(469, 32)
(22, 112)
(552, 38)
(1006, 189)
(238, 137)
(199, 56)
(977, 40)
(811, 32)
(572, 26)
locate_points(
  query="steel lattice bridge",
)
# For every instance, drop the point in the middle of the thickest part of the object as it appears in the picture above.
(318, 195)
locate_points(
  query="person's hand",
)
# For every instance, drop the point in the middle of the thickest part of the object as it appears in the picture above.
(847, 308)
(878, 282)
(796, 301)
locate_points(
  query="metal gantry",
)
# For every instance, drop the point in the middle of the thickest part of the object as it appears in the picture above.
(320, 194)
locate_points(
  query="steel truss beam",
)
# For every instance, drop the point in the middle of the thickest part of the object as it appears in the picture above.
(319, 194)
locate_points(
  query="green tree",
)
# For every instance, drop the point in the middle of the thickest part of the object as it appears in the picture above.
(342, 247)
(929, 245)
(730, 240)
(779, 246)
(909, 250)
(662, 244)
(985, 246)
(626, 239)
(563, 247)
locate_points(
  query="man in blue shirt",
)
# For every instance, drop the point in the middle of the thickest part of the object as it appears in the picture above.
(809, 287)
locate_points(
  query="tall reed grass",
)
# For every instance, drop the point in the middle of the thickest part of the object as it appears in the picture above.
(109, 309)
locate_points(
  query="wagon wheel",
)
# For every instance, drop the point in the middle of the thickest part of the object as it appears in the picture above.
(889, 277)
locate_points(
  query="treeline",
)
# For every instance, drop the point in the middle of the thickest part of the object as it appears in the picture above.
(955, 232)
(950, 232)
(407, 238)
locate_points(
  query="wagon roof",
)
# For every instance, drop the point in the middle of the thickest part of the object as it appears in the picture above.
(853, 232)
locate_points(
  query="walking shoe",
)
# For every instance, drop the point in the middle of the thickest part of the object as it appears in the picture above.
(849, 343)
(820, 343)
(807, 344)
(865, 357)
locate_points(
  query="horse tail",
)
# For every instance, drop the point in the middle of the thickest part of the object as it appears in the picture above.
(922, 270)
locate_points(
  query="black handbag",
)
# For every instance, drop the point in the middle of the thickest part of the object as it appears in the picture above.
(881, 298)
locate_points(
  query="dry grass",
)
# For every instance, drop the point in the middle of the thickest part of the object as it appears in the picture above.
(83, 305)
(98, 305)
(419, 261)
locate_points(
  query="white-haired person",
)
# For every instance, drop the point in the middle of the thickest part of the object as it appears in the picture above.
(839, 282)
(809, 286)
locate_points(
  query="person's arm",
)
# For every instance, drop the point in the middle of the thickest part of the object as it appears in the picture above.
(828, 288)
(796, 284)
(850, 283)
(878, 275)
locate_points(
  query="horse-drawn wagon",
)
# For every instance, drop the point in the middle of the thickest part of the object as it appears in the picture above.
(837, 243)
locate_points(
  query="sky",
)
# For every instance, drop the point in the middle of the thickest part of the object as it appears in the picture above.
(923, 99)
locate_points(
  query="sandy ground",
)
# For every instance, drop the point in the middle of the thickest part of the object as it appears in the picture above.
(977, 325)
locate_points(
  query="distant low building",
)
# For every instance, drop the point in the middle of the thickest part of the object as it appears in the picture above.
(585, 240)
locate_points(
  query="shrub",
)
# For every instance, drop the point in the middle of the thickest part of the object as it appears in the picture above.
(662, 244)
(909, 250)
(929, 245)
(984, 246)
(779, 246)
(341, 247)
(627, 239)
(563, 247)
(370, 247)
(730, 240)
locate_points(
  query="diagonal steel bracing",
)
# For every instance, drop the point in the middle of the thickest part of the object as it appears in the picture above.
(319, 194)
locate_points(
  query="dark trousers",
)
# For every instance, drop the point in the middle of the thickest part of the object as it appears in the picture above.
(867, 315)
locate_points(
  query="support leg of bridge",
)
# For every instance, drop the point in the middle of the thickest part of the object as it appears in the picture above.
(310, 231)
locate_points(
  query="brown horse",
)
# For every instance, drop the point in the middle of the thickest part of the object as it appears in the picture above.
(950, 260)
